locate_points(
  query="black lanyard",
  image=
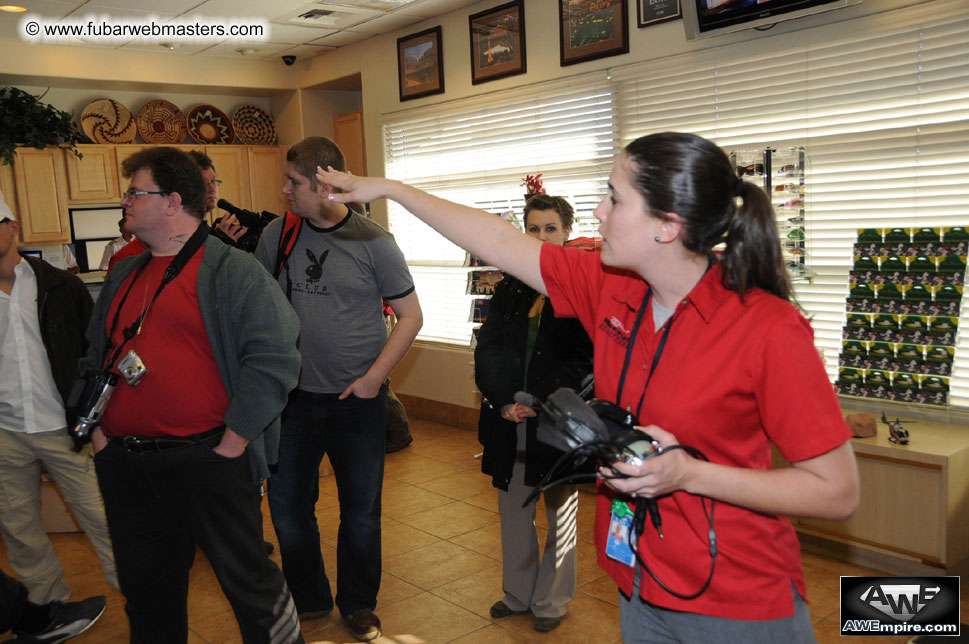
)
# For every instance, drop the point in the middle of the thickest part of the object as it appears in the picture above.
(659, 349)
(181, 259)
(629, 351)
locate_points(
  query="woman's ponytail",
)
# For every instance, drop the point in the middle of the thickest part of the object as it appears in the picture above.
(753, 256)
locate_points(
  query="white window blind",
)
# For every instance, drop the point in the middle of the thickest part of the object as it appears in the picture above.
(477, 152)
(883, 116)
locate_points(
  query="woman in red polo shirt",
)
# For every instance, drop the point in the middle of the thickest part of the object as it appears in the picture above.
(708, 352)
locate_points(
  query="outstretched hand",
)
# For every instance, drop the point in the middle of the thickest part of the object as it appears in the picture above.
(355, 189)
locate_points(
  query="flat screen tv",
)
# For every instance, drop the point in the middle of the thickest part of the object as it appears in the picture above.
(703, 18)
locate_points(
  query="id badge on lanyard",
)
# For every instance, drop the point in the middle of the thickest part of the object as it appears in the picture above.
(618, 544)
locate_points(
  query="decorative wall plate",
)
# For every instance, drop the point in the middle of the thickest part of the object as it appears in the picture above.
(207, 124)
(161, 122)
(105, 120)
(254, 126)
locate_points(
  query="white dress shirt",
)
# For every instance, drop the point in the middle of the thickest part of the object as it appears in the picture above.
(113, 247)
(29, 400)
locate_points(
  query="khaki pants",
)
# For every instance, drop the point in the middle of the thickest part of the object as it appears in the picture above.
(29, 549)
(543, 586)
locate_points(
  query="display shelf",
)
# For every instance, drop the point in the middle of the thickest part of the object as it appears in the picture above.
(780, 173)
(902, 314)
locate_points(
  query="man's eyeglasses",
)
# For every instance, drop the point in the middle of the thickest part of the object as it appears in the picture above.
(215, 182)
(131, 193)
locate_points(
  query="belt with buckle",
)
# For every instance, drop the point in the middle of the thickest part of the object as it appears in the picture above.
(145, 445)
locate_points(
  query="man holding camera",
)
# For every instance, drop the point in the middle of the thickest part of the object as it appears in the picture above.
(43, 314)
(230, 228)
(192, 423)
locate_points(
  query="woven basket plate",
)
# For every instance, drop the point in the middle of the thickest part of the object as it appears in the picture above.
(253, 126)
(161, 122)
(207, 124)
(106, 120)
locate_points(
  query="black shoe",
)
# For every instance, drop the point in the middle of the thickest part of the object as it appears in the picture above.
(500, 609)
(364, 625)
(67, 620)
(396, 447)
(546, 624)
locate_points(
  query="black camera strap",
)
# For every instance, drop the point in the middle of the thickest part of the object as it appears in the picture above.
(629, 351)
(659, 349)
(181, 259)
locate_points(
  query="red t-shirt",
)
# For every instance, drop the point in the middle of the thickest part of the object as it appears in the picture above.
(134, 247)
(733, 378)
(182, 393)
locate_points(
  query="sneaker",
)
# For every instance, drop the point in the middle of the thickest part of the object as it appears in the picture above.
(500, 609)
(68, 619)
(546, 624)
(364, 625)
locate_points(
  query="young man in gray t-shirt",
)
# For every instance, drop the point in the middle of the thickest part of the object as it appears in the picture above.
(335, 275)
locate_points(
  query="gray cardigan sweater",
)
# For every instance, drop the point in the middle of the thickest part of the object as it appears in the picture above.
(253, 331)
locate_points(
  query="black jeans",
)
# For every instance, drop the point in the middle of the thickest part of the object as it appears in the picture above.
(13, 599)
(351, 432)
(159, 506)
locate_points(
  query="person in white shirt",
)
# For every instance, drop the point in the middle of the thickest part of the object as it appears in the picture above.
(44, 313)
(115, 245)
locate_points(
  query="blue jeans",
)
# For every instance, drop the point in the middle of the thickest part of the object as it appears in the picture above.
(352, 433)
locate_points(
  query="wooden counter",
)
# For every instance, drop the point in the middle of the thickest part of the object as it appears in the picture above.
(914, 511)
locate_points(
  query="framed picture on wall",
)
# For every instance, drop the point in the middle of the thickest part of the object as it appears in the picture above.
(652, 12)
(497, 42)
(590, 29)
(420, 64)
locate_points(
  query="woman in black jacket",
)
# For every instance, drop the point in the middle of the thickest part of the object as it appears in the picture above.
(522, 346)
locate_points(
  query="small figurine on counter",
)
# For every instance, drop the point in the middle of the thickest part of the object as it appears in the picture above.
(896, 433)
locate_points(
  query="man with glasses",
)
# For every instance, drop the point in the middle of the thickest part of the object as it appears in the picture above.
(192, 424)
(43, 314)
(227, 228)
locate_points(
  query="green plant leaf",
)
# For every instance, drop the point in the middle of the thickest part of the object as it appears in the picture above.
(25, 120)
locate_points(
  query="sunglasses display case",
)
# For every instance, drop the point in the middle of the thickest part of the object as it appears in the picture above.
(780, 173)
(903, 307)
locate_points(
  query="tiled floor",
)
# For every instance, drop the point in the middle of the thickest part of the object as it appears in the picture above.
(442, 565)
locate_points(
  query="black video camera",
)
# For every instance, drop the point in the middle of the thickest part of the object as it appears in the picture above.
(87, 400)
(597, 428)
(255, 222)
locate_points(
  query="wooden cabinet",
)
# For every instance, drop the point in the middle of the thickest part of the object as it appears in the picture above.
(41, 186)
(914, 512)
(266, 167)
(122, 152)
(43, 183)
(348, 134)
(94, 177)
(8, 189)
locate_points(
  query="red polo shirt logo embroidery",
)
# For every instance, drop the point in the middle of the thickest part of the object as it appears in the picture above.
(614, 330)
